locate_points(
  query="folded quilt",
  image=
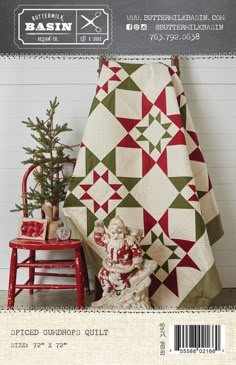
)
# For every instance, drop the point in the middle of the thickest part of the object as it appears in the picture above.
(140, 159)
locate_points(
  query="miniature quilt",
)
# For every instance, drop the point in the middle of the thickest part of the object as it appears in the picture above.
(140, 159)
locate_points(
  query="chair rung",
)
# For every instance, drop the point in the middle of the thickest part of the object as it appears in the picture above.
(68, 260)
(45, 286)
(20, 290)
(54, 274)
(48, 264)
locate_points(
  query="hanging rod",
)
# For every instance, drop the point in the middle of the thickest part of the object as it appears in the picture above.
(102, 59)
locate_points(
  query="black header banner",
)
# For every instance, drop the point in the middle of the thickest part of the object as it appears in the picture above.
(140, 27)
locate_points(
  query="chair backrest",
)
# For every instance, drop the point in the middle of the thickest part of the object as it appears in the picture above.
(30, 169)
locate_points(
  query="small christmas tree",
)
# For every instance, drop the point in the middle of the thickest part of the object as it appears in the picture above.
(49, 158)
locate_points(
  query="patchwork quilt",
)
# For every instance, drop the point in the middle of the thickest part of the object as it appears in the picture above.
(140, 159)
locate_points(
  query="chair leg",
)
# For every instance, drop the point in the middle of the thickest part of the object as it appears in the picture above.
(31, 270)
(79, 278)
(12, 279)
(85, 271)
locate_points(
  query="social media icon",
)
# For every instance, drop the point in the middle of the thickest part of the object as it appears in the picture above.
(129, 26)
(143, 26)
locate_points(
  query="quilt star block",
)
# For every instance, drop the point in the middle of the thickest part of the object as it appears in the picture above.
(154, 132)
(100, 191)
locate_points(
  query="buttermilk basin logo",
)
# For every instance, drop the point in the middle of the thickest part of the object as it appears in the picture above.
(63, 27)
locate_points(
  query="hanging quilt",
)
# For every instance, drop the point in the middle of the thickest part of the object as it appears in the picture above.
(140, 159)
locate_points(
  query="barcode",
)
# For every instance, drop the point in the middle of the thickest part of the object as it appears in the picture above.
(197, 337)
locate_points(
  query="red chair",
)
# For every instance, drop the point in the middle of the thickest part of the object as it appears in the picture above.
(78, 263)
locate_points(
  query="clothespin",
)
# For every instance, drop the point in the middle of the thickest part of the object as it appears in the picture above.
(101, 61)
(175, 61)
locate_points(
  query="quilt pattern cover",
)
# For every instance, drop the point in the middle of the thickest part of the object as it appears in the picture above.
(140, 159)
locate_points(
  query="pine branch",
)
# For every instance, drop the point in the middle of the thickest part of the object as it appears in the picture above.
(49, 156)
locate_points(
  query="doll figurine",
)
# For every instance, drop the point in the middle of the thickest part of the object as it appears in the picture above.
(124, 255)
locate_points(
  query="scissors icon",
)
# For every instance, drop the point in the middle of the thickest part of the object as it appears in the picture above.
(97, 15)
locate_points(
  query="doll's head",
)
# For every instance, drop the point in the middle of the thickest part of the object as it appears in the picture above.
(116, 228)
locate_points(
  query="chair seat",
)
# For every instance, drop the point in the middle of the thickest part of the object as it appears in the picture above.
(28, 244)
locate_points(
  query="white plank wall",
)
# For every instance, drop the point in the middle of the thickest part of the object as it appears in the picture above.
(27, 85)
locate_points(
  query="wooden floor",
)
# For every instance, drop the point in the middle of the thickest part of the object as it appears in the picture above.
(67, 299)
(46, 299)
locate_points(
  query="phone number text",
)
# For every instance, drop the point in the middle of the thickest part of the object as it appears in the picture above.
(190, 37)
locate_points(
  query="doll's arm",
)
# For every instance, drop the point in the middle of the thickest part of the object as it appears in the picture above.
(99, 232)
(137, 254)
